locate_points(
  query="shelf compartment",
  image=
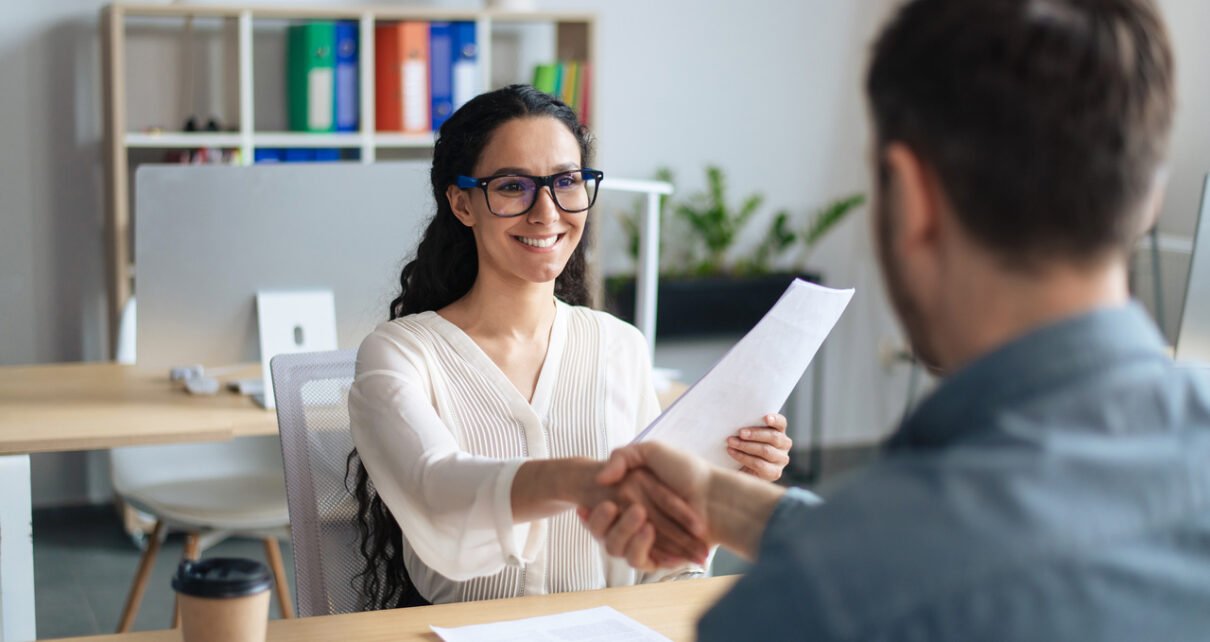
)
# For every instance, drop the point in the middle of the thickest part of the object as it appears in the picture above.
(303, 139)
(387, 139)
(175, 140)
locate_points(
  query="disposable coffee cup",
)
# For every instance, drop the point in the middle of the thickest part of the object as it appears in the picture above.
(223, 599)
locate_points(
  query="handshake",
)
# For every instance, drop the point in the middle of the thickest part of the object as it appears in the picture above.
(658, 507)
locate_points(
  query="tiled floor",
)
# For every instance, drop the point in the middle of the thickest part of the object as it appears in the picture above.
(84, 563)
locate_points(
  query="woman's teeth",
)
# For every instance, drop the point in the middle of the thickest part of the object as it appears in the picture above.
(539, 243)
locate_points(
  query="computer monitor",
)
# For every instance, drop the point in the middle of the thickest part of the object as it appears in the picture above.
(208, 238)
(1193, 334)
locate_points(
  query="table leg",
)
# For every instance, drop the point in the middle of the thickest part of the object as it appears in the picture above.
(16, 551)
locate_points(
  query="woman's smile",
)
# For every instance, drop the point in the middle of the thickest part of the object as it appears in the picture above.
(543, 243)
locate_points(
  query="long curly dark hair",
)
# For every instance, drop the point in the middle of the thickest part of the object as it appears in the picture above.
(443, 271)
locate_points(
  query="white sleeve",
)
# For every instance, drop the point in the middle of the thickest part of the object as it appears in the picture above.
(454, 508)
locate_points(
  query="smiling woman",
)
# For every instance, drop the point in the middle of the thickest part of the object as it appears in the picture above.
(483, 410)
(515, 214)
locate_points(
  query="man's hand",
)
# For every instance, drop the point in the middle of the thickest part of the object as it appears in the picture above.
(545, 487)
(733, 507)
(626, 530)
(763, 451)
(674, 529)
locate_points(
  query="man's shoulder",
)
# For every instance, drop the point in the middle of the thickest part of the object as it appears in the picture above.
(925, 538)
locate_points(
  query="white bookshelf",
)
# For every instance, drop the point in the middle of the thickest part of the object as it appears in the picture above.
(180, 140)
(242, 26)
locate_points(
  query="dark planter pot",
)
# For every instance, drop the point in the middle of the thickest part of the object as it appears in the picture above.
(705, 307)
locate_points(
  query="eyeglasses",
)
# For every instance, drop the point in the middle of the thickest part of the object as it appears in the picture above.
(511, 195)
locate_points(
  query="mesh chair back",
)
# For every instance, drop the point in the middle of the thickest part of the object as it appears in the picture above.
(312, 391)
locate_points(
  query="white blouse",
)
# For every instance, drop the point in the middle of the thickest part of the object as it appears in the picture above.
(441, 431)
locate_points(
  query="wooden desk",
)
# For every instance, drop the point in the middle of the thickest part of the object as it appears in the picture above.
(672, 608)
(85, 406)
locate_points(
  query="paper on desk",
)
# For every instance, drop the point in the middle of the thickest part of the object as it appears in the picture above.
(594, 625)
(755, 377)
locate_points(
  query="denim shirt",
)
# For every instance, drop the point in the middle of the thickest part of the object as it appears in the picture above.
(1055, 489)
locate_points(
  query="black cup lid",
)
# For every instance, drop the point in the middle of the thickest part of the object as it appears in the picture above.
(222, 577)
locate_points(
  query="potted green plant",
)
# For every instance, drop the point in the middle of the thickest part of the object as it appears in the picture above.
(704, 289)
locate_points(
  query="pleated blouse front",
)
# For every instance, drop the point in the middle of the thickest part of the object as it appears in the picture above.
(442, 431)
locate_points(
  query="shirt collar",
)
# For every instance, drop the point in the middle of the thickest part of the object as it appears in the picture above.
(964, 402)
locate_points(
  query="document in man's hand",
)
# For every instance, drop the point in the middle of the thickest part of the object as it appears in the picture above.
(599, 624)
(755, 377)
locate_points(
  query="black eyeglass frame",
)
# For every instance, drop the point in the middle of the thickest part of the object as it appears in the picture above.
(587, 173)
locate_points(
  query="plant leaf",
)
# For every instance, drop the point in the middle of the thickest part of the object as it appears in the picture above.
(829, 216)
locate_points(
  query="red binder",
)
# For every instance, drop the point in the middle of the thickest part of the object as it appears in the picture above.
(585, 80)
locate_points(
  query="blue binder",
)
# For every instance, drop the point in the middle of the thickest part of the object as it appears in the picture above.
(441, 71)
(326, 154)
(268, 155)
(466, 63)
(298, 155)
(346, 90)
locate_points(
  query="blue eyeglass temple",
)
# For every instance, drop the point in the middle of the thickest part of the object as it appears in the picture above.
(467, 182)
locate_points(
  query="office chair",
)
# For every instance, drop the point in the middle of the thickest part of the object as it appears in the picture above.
(312, 391)
(208, 491)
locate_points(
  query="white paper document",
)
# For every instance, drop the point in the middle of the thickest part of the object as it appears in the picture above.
(601, 624)
(755, 377)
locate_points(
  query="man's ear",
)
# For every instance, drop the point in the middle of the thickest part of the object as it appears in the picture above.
(917, 191)
(1154, 203)
(460, 203)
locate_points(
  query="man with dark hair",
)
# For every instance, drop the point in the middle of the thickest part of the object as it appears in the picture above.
(1056, 484)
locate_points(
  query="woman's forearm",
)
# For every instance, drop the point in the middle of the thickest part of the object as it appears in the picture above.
(545, 487)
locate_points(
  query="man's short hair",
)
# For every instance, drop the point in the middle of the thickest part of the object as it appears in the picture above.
(1045, 121)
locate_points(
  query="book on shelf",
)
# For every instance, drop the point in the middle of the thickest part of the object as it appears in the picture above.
(310, 76)
(465, 65)
(401, 59)
(567, 87)
(441, 71)
(347, 106)
(570, 81)
(585, 95)
(322, 77)
(424, 73)
(544, 78)
(296, 155)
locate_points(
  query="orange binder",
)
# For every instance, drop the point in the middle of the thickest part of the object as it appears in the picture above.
(401, 83)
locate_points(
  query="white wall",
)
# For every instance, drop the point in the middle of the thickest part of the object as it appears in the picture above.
(1190, 151)
(1189, 158)
(771, 91)
(51, 287)
(768, 89)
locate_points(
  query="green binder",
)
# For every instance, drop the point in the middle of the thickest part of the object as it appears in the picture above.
(310, 83)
